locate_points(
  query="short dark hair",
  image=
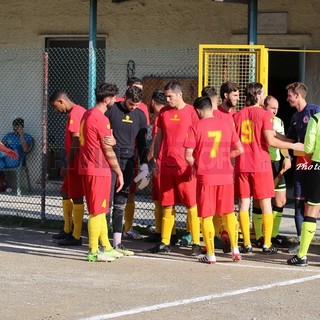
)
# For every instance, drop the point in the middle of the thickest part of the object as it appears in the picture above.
(18, 122)
(106, 90)
(159, 97)
(298, 87)
(202, 103)
(209, 92)
(134, 93)
(132, 80)
(251, 91)
(174, 85)
(228, 87)
(56, 95)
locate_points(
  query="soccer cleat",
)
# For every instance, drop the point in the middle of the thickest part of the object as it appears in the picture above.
(174, 240)
(195, 250)
(245, 249)
(270, 250)
(226, 248)
(154, 237)
(112, 253)
(160, 248)
(203, 249)
(208, 259)
(61, 235)
(279, 241)
(296, 261)
(99, 257)
(260, 242)
(70, 241)
(236, 257)
(294, 249)
(186, 240)
(132, 234)
(122, 249)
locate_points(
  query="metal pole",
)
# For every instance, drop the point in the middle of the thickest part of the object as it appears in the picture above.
(92, 54)
(252, 21)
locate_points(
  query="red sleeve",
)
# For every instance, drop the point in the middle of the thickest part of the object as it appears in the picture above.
(267, 121)
(190, 140)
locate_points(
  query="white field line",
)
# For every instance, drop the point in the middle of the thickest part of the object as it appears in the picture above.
(199, 299)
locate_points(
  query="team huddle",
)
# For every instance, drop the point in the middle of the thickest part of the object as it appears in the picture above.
(202, 156)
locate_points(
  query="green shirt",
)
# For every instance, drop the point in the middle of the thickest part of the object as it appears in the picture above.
(278, 126)
(312, 138)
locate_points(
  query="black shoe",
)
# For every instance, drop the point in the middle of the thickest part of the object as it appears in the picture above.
(270, 250)
(245, 249)
(195, 250)
(296, 261)
(61, 235)
(70, 241)
(260, 242)
(279, 241)
(174, 240)
(160, 248)
(154, 237)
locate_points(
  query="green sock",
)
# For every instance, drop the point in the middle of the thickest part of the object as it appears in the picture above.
(307, 233)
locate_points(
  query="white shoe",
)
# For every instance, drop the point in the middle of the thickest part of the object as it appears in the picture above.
(132, 234)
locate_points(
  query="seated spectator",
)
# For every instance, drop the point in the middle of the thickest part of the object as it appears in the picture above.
(18, 141)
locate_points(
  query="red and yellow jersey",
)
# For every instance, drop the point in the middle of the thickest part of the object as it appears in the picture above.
(250, 123)
(175, 124)
(212, 140)
(73, 126)
(142, 106)
(94, 126)
(231, 111)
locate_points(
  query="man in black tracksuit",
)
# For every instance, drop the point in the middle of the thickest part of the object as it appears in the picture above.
(129, 124)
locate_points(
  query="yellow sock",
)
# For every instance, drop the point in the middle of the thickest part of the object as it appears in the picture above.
(267, 222)
(78, 213)
(257, 222)
(217, 225)
(157, 216)
(67, 207)
(245, 227)
(194, 222)
(104, 239)
(94, 228)
(174, 230)
(277, 217)
(232, 226)
(167, 225)
(208, 234)
(307, 233)
(129, 212)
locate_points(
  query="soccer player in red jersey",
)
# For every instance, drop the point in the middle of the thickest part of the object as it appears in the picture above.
(71, 189)
(158, 101)
(253, 172)
(210, 145)
(177, 183)
(97, 159)
(229, 94)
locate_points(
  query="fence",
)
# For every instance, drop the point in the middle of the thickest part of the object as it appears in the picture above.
(30, 76)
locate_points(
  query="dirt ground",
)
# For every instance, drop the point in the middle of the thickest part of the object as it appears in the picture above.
(40, 280)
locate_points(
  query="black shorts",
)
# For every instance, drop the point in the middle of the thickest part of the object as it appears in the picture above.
(312, 188)
(276, 168)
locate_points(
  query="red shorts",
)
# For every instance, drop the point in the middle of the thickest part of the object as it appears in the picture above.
(212, 200)
(177, 187)
(260, 185)
(72, 185)
(97, 193)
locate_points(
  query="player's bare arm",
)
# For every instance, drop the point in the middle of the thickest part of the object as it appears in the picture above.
(273, 141)
(237, 149)
(113, 163)
(110, 140)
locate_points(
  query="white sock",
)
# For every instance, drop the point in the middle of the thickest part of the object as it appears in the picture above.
(116, 238)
